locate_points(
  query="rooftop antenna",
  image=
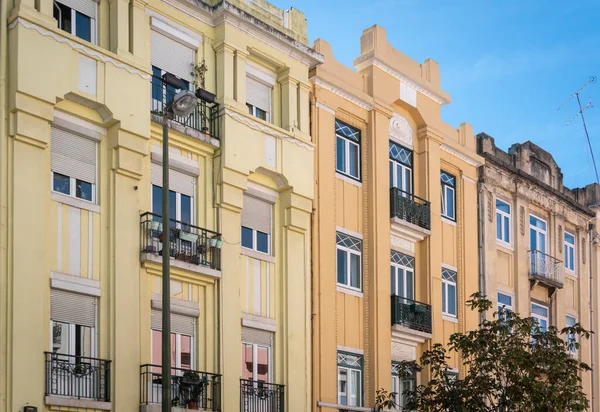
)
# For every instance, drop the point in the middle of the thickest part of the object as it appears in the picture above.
(591, 80)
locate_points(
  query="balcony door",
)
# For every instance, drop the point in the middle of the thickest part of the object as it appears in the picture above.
(401, 164)
(537, 234)
(402, 275)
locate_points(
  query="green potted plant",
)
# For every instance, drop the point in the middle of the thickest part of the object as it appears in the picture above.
(191, 381)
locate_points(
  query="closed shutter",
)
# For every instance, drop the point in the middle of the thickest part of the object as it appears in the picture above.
(184, 325)
(257, 336)
(178, 182)
(72, 155)
(258, 94)
(87, 7)
(256, 214)
(73, 308)
(171, 56)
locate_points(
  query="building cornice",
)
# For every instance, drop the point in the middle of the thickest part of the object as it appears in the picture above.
(342, 93)
(369, 60)
(326, 108)
(466, 158)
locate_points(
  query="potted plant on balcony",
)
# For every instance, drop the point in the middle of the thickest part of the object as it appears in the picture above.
(193, 386)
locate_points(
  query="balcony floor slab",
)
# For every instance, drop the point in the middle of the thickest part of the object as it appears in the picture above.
(408, 231)
(77, 403)
(150, 257)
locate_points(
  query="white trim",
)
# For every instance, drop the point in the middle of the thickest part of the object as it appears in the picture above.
(450, 267)
(341, 93)
(174, 31)
(348, 232)
(75, 284)
(263, 193)
(325, 108)
(179, 306)
(69, 122)
(344, 407)
(76, 403)
(466, 158)
(449, 318)
(259, 325)
(350, 350)
(78, 47)
(348, 179)
(449, 221)
(569, 271)
(261, 74)
(468, 179)
(176, 162)
(510, 294)
(75, 202)
(503, 216)
(348, 291)
(254, 254)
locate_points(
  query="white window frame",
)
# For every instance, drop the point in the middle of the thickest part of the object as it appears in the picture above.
(255, 347)
(348, 262)
(507, 307)
(405, 184)
(177, 204)
(574, 351)
(73, 183)
(74, 12)
(399, 396)
(72, 338)
(178, 348)
(397, 267)
(503, 216)
(349, 386)
(538, 232)
(253, 110)
(347, 142)
(445, 284)
(255, 241)
(444, 189)
(566, 248)
(540, 317)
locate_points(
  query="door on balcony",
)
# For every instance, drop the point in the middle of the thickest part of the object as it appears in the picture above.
(402, 276)
(401, 164)
(537, 243)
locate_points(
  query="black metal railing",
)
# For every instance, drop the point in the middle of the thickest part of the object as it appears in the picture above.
(410, 313)
(204, 117)
(77, 377)
(411, 208)
(189, 389)
(546, 268)
(189, 243)
(258, 396)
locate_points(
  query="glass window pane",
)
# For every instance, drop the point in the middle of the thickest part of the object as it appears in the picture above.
(261, 114)
(186, 209)
(401, 291)
(400, 178)
(504, 207)
(157, 200)
(452, 299)
(62, 14)
(408, 180)
(393, 280)
(247, 237)
(571, 258)
(172, 206)
(353, 160)
(186, 352)
(542, 242)
(83, 26)
(539, 310)
(444, 299)
(532, 239)
(156, 347)
(506, 229)
(247, 361)
(173, 350)
(340, 163)
(354, 270)
(450, 202)
(343, 386)
(409, 285)
(262, 242)
(504, 299)
(355, 388)
(571, 321)
(342, 269)
(60, 338)
(498, 226)
(569, 239)
(83, 190)
(262, 364)
(83, 341)
(62, 184)
(392, 183)
(157, 88)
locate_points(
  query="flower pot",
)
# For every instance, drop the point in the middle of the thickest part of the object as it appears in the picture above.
(212, 241)
(219, 244)
(192, 405)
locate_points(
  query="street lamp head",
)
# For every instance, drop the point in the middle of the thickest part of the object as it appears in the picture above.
(183, 103)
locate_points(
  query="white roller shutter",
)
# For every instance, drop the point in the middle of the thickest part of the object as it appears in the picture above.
(184, 325)
(87, 7)
(256, 214)
(258, 94)
(257, 336)
(178, 182)
(171, 56)
(73, 155)
(73, 308)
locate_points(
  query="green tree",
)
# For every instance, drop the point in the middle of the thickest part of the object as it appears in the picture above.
(511, 365)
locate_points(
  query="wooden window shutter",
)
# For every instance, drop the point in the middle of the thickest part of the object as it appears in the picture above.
(256, 214)
(178, 182)
(73, 155)
(73, 308)
(172, 56)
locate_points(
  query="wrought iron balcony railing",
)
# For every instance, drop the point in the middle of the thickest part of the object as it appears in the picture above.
(204, 117)
(546, 269)
(411, 208)
(258, 396)
(412, 314)
(189, 389)
(189, 243)
(77, 377)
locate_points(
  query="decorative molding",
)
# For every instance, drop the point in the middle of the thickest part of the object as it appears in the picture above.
(404, 245)
(257, 255)
(460, 155)
(560, 240)
(75, 284)
(265, 129)
(348, 291)
(326, 108)
(174, 31)
(490, 205)
(341, 93)
(349, 232)
(350, 350)
(583, 254)
(369, 60)
(468, 179)
(522, 220)
(401, 131)
(180, 306)
(259, 324)
(78, 47)
(348, 179)
(402, 351)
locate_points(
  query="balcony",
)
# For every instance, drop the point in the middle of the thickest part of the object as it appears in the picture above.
(410, 215)
(189, 389)
(258, 396)
(202, 123)
(411, 314)
(86, 381)
(545, 269)
(193, 248)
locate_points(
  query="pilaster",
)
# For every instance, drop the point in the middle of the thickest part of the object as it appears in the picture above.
(289, 102)
(303, 108)
(225, 72)
(240, 79)
(119, 27)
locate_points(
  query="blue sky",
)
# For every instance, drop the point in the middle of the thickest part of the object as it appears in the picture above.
(508, 65)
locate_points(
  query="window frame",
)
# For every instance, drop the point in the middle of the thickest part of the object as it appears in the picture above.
(445, 287)
(397, 380)
(503, 216)
(270, 86)
(255, 241)
(73, 185)
(177, 348)
(255, 347)
(72, 338)
(444, 188)
(349, 252)
(349, 386)
(505, 306)
(73, 28)
(566, 246)
(177, 205)
(569, 337)
(538, 232)
(540, 317)
(394, 163)
(347, 141)
(406, 268)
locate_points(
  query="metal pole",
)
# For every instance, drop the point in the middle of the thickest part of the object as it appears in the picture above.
(591, 228)
(166, 281)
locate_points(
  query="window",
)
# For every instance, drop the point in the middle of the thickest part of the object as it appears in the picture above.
(168, 55)
(403, 381)
(448, 194)
(73, 318)
(349, 265)
(541, 316)
(571, 338)
(505, 301)
(347, 152)
(449, 292)
(402, 270)
(537, 234)
(569, 252)
(256, 354)
(256, 224)
(258, 98)
(502, 221)
(77, 17)
(183, 331)
(401, 164)
(350, 367)
(73, 164)
(162, 92)
(181, 195)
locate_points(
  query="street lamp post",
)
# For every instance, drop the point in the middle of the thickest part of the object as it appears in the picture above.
(182, 105)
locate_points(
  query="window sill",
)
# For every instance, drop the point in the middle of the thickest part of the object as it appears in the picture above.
(504, 245)
(257, 255)
(450, 318)
(72, 201)
(570, 273)
(344, 407)
(348, 179)
(449, 221)
(349, 291)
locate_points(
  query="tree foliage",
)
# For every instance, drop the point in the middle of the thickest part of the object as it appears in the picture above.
(511, 365)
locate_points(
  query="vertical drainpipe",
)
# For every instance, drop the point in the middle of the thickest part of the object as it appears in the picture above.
(591, 228)
(4, 8)
(480, 235)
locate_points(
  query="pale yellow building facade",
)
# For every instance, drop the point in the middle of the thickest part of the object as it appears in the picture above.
(84, 85)
(395, 224)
